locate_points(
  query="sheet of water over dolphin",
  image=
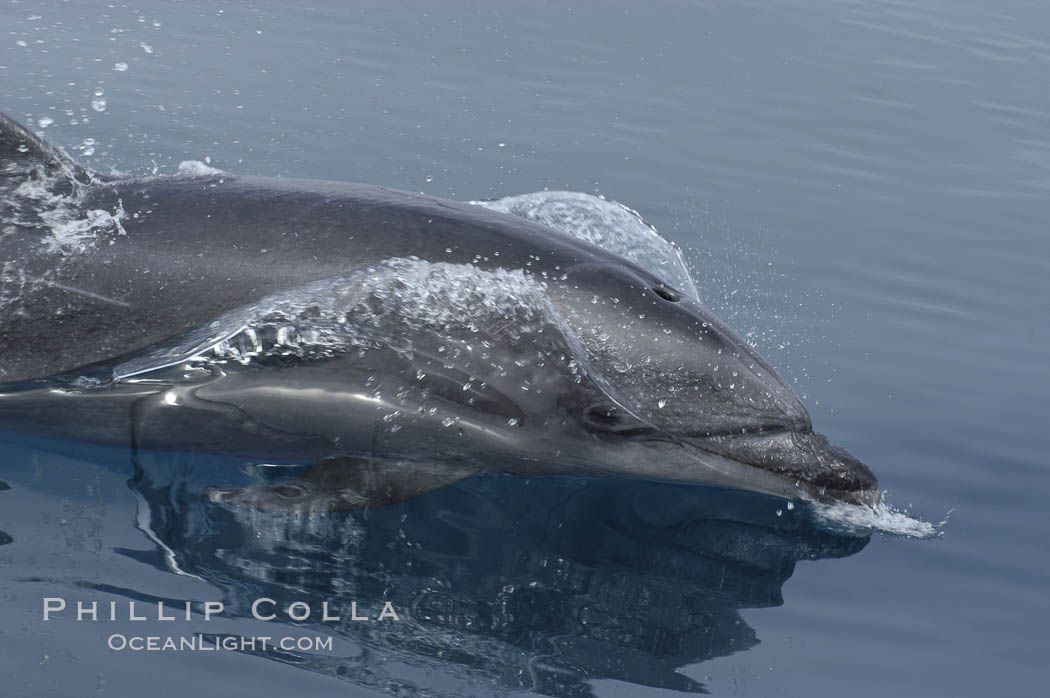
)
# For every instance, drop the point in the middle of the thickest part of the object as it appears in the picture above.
(396, 342)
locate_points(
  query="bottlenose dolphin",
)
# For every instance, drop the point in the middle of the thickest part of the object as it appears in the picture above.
(395, 341)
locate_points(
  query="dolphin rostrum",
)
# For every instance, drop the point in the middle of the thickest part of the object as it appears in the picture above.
(396, 342)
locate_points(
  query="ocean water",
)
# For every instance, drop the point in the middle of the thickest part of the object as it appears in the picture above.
(863, 189)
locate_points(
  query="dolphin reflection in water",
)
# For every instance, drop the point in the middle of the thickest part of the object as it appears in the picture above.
(395, 342)
(502, 583)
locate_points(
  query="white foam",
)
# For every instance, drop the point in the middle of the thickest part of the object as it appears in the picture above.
(397, 304)
(881, 518)
(607, 224)
(196, 168)
(70, 230)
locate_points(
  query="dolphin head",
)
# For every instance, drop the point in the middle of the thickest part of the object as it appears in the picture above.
(603, 367)
(674, 373)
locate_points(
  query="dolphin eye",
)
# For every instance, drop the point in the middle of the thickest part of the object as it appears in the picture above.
(667, 294)
(606, 417)
(602, 415)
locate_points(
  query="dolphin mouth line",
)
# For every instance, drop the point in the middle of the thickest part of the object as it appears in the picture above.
(763, 430)
(768, 478)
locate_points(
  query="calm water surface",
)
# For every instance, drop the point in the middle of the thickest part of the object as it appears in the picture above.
(862, 188)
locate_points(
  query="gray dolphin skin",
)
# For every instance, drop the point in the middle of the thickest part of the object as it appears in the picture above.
(392, 342)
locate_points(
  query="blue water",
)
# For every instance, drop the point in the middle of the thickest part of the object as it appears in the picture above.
(862, 188)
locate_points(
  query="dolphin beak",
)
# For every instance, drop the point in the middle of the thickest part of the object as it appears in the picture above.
(825, 470)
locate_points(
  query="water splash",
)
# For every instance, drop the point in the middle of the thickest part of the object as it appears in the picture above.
(882, 518)
(99, 101)
(391, 304)
(70, 229)
(196, 168)
(607, 224)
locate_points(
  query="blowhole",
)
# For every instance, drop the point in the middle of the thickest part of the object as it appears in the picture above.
(667, 294)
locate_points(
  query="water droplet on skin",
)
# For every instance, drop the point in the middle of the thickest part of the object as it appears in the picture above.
(791, 506)
(780, 512)
(99, 104)
(120, 66)
(661, 404)
(45, 121)
(512, 422)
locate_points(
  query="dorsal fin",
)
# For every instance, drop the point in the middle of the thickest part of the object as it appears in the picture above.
(24, 156)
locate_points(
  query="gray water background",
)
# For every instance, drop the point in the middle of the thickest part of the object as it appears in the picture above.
(861, 187)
